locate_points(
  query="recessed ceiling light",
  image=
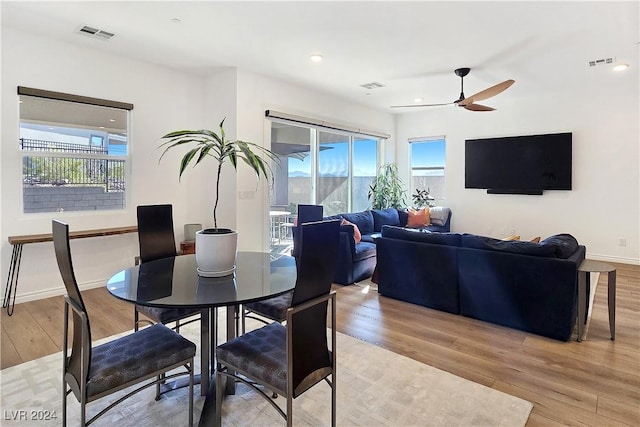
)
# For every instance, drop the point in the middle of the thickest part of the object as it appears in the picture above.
(112, 120)
(316, 58)
(416, 100)
(620, 67)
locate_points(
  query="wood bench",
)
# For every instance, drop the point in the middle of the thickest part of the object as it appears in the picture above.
(16, 255)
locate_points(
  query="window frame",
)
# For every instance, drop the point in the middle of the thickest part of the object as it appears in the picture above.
(428, 140)
(98, 156)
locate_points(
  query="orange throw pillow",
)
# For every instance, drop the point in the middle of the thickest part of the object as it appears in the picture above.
(418, 218)
(357, 236)
(514, 237)
(535, 240)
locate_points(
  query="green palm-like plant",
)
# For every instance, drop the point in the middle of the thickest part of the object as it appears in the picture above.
(386, 190)
(211, 144)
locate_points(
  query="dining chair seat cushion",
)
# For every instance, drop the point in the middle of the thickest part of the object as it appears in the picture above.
(274, 308)
(167, 315)
(135, 356)
(261, 354)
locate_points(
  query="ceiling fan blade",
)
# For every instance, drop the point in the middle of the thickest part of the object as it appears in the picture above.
(477, 107)
(487, 93)
(421, 105)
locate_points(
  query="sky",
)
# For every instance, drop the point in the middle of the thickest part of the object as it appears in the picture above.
(333, 161)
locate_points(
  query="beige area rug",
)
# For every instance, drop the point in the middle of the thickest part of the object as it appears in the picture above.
(376, 387)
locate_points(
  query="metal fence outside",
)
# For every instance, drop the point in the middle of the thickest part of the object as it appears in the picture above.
(72, 171)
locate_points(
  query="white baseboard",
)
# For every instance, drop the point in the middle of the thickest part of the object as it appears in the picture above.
(615, 259)
(54, 292)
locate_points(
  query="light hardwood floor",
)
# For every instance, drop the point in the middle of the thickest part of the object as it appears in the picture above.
(593, 383)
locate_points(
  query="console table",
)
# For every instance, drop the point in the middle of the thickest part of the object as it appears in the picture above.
(18, 242)
(590, 266)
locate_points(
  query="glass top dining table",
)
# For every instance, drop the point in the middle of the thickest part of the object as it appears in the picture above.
(174, 283)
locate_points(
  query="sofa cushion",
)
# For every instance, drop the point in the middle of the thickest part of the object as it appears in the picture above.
(513, 246)
(364, 220)
(371, 238)
(417, 235)
(564, 245)
(364, 250)
(439, 215)
(384, 217)
(418, 218)
(403, 216)
(356, 232)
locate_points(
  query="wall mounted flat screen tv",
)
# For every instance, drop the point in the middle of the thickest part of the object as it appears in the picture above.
(519, 164)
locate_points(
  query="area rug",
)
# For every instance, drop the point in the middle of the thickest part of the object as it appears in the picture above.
(376, 387)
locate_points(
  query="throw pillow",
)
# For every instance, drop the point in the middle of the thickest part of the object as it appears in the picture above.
(418, 218)
(514, 237)
(357, 236)
(535, 239)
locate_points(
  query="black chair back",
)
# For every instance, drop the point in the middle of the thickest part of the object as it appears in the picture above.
(155, 232)
(81, 329)
(306, 213)
(316, 269)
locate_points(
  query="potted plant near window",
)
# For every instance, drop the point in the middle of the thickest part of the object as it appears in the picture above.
(387, 190)
(216, 247)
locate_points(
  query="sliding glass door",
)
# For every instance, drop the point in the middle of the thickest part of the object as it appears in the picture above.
(333, 173)
(317, 166)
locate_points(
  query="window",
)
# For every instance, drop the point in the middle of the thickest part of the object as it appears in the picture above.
(428, 165)
(75, 152)
(319, 166)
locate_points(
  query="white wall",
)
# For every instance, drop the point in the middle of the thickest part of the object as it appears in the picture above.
(601, 109)
(164, 100)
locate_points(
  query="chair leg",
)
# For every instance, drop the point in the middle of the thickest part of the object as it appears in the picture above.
(160, 377)
(136, 319)
(64, 403)
(333, 399)
(219, 387)
(83, 412)
(289, 410)
(191, 394)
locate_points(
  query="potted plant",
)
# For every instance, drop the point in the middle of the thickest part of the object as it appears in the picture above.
(422, 198)
(387, 190)
(216, 247)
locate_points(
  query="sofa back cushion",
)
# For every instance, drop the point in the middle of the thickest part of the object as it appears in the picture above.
(384, 217)
(439, 215)
(415, 235)
(403, 216)
(563, 244)
(364, 221)
(512, 246)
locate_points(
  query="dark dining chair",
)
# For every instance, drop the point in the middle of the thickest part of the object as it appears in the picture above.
(94, 372)
(275, 309)
(289, 360)
(157, 241)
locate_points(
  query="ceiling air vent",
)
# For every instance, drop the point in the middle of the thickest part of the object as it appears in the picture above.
(602, 61)
(94, 32)
(372, 85)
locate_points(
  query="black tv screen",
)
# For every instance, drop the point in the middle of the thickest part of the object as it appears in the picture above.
(519, 164)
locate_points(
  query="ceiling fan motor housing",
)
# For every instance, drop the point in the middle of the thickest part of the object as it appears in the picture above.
(461, 72)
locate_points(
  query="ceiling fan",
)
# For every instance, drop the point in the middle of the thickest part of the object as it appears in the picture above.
(468, 103)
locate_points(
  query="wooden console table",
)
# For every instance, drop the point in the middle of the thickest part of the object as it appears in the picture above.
(16, 255)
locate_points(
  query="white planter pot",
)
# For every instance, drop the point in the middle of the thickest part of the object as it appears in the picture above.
(216, 252)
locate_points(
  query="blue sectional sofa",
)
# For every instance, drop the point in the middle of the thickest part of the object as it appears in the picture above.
(356, 262)
(522, 285)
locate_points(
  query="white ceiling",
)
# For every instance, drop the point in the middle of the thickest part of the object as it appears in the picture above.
(411, 47)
